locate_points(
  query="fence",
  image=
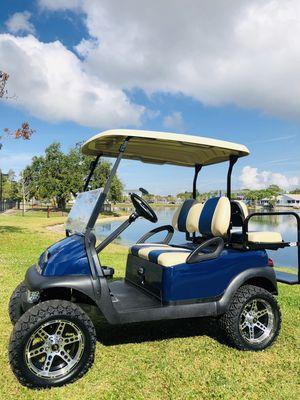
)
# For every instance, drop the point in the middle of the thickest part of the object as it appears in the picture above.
(7, 205)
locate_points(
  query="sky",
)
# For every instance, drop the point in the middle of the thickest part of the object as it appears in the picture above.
(227, 70)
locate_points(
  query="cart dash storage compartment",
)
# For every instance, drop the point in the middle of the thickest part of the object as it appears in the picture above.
(144, 274)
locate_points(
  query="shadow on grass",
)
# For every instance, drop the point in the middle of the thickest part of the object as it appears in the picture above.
(112, 335)
(11, 229)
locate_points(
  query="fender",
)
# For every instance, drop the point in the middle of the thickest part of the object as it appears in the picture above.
(266, 273)
(82, 283)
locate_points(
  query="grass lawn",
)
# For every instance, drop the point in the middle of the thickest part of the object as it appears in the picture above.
(162, 360)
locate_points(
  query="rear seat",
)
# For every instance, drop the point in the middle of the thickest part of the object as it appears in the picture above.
(239, 214)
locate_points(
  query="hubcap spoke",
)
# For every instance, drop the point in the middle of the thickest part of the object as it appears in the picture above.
(261, 326)
(261, 313)
(40, 350)
(254, 306)
(244, 325)
(251, 331)
(71, 339)
(65, 356)
(48, 362)
(60, 328)
(43, 334)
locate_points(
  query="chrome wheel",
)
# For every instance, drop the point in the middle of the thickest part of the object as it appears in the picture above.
(54, 349)
(256, 321)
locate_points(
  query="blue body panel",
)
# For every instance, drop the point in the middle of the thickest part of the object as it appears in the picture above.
(208, 278)
(66, 257)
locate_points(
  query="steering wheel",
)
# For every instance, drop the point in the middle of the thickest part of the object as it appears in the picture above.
(142, 208)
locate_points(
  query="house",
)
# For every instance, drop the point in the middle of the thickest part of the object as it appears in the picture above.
(264, 202)
(288, 200)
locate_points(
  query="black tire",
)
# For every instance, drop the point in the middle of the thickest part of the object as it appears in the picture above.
(238, 315)
(15, 307)
(46, 316)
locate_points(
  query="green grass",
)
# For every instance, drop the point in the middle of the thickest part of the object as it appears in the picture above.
(162, 360)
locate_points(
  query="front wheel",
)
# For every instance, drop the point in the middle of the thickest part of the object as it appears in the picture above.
(253, 319)
(52, 344)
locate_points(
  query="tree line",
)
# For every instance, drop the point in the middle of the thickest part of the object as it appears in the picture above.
(56, 177)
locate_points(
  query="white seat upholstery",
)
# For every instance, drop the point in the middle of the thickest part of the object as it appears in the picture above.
(259, 237)
(215, 217)
(264, 237)
(161, 254)
(186, 219)
(210, 219)
(187, 216)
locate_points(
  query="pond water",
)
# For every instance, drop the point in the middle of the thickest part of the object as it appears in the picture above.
(286, 225)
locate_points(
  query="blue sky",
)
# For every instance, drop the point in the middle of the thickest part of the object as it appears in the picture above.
(75, 76)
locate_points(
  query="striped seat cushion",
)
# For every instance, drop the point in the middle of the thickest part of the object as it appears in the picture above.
(187, 216)
(215, 217)
(161, 254)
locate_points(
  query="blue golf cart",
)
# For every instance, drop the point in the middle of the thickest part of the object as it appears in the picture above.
(220, 270)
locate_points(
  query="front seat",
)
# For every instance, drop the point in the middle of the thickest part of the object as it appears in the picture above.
(239, 214)
(185, 219)
(210, 220)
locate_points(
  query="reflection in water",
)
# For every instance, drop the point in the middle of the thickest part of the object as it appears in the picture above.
(286, 225)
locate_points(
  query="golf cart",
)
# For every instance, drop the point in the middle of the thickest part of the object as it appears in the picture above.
(220, 270)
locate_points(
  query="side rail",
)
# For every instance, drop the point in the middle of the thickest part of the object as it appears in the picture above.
(284, 277)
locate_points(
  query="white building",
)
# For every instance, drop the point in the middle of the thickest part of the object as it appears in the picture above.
(288, 200)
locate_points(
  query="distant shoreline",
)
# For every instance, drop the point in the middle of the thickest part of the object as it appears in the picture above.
(61, 227)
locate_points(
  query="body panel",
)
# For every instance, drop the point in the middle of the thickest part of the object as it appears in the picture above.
(206, 279)
(66, 257)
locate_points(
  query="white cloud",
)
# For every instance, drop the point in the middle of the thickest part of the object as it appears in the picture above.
(52, 84)
(16, 162)
(251, 178)
(19, 23)
(234, 52)
(174, 121)
(60, 4)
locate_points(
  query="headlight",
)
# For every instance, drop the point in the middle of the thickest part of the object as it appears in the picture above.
(33, 297)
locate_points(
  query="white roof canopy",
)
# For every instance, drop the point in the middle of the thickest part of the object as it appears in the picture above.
(163, 147)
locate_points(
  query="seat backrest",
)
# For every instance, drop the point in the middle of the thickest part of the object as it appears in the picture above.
(187, 216)
(239, 212)
(215, 217)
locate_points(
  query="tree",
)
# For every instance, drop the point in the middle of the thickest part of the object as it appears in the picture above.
(24, 191)
(295, 191)
(48, 176)
(11, 189)
(25, 131)
(58, 176)
(100, 175)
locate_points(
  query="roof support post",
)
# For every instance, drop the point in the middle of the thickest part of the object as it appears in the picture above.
(232, 161)
(93, 166)
(197, 170)
(103, 195)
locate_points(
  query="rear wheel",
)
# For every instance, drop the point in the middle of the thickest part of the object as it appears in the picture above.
(15, 306)
(253, 319)
(52, 344)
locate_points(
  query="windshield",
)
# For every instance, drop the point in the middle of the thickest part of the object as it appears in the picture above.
(82, 210)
